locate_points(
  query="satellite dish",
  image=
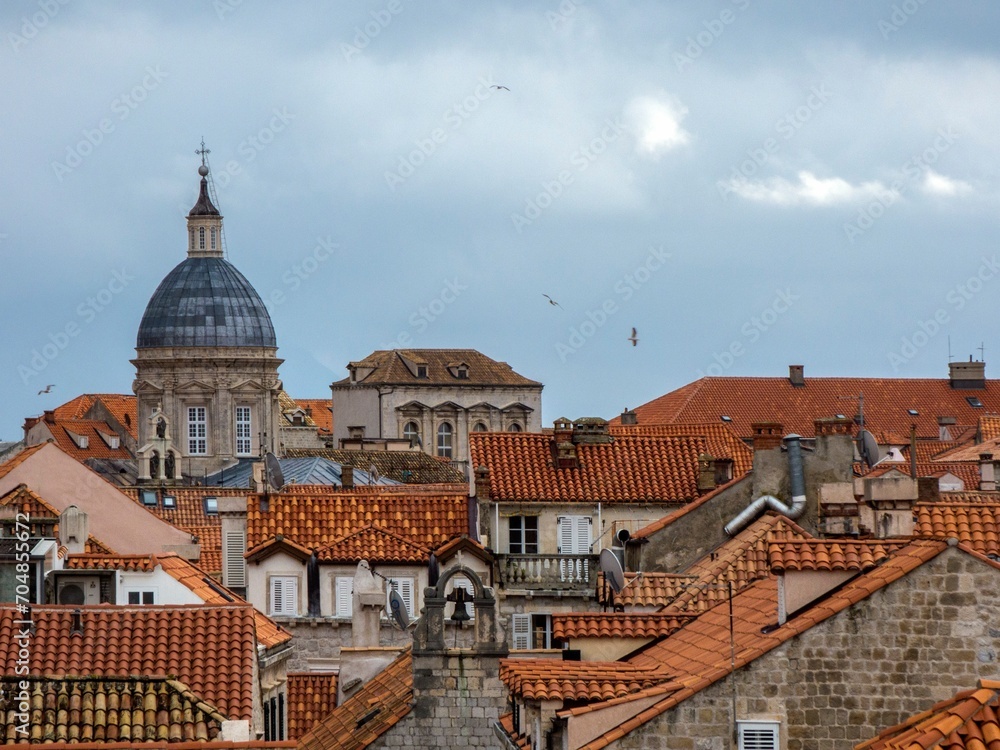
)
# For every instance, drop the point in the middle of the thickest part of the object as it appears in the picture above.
(372, 474)
(612, 570)
(274, 476)
(868, 448)
(397, 608)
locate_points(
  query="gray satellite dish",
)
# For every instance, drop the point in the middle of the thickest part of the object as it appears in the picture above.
(612, 570)
(397, 608)
(275, 478)
(868, 448)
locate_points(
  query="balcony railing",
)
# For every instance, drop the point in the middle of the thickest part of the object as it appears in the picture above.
(547, 571)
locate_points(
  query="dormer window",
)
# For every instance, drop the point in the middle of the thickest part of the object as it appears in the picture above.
(462, 373)
(81, 441)
(421, 371)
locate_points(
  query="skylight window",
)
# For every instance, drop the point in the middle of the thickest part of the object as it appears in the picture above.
(726, 418)
(974, 402)
(913, 412)
(211, 506)
(148, 497)
(169, 502)
(840, 416)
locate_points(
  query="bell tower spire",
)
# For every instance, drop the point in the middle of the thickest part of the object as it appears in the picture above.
(204, 221)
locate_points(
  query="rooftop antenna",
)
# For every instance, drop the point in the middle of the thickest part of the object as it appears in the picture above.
(272, 472)
(949, 347)
(206, 171)
(982, 351)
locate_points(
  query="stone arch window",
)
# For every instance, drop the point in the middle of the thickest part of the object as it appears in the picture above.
(444, 442)
(213, 238)
(411, 431)
(514, 427)
(480, 427)
(201, 238)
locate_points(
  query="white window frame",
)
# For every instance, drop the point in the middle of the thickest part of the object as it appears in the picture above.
(524, 542)
(244, 430)
(445, 450)
(758, 735)
(343, 596)
(283, 595)
(406, 588)
(412, 435)
(197, 423)
(575, 538)
(141, 594)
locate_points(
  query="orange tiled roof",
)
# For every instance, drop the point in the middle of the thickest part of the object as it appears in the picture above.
(423, 515)
(966, 721)
(630, 469)
(211, 649)
(976, 523)
(970, 451)
(521, 741)
(93, 431)
(829, 554)
(96, 709)
(887, 400)
(721, 440)
(369, 713)
(551, 679)
(929, 450)
(967, 471)
(375, 545)
(989, 427)
(320, 410)
(648, 589)
(617, 624)
(129, 563)
(398, 367)
(28, 501)
(699, 654)
(312, 696)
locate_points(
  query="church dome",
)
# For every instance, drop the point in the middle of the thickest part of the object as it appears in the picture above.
(205, 301)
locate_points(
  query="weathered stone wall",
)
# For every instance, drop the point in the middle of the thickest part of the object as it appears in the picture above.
(913, 643)
(457, 697)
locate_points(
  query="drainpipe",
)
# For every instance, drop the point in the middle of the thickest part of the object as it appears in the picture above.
(798, 505)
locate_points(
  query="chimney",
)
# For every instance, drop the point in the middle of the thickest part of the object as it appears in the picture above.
(347, 477)
(987, 473)
(73, 530)
(967, 375)
(767, 435)
(928, 490)
(706, 473)
(562, 430)
(482, 483)
(49, 416)
(796, 375)
(591, 431)
(629, 418)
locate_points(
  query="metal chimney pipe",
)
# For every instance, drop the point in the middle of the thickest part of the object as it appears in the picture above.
(798, 506)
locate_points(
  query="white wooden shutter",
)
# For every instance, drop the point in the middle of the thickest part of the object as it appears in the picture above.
(234, 566)
(284, 596)
(520, 632)
(345, 597)
(574, 539)
(405, 588)
(758, 735)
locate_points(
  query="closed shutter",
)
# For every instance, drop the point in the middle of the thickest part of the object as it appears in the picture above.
(758, 735)
(574, 539)
(234, 566)
(521, 632)
(405, 588)
(345, 597)
(284, 596)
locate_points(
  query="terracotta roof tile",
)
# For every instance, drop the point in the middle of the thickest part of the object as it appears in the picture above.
(966, 721)
(967, 471)
(398, 367)
(829, 554)
(721, 440)
(320, 412)
(39, 511)
(648, 589)
(408, 467)
(376, 545)
(312, 696)
(971, 451)
(96, 709)
(629, 469)
(210, 649)
(887, 400)
(128, 563)
(976, 524)
(617, 624)
(989, 427)
(369, 713)
(550, 679)
(424, 515)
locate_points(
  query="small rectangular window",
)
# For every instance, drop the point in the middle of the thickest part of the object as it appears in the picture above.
(141, 597)
(197, 431)
(284, 596)
(405, 588)
(344, 595)
(211, 506)
(523, 535)
(148, 497)
(169, 502)
(421, 371)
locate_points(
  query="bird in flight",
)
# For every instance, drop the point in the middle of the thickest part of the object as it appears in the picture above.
(553, 302)
(495, 86)
(47, 389)
(633, 338)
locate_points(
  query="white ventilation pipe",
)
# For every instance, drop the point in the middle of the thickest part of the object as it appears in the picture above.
(798, 505)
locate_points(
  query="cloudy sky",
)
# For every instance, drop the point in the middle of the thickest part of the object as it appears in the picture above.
(749, 184)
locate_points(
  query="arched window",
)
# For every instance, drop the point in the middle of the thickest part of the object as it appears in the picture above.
(412, 433)
(201, 238)
(191, 232)
(213, 238)
(444, 440)
(515, 427)
(480, 427)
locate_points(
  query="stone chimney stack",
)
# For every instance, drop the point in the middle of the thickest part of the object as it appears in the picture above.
(369, 601)
(967, 375)
(767, 435)
(347, 477)
(629, 418)
(796, 375)
(706, 473)
(73, 530)
(565, 445)
(987, 473)
(482, 483)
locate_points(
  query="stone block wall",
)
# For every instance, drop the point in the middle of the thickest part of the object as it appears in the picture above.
(917, 641)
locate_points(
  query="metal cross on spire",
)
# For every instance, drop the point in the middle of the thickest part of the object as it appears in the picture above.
(203, 152)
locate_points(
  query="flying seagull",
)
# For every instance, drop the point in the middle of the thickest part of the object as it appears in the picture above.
(552, 301)
(494, 86)
(47, 389)
(633, 338)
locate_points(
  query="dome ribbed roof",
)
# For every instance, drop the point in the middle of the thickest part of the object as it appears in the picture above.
(205, 302)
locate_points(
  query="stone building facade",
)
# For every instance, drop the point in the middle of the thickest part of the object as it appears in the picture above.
(206, 362)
